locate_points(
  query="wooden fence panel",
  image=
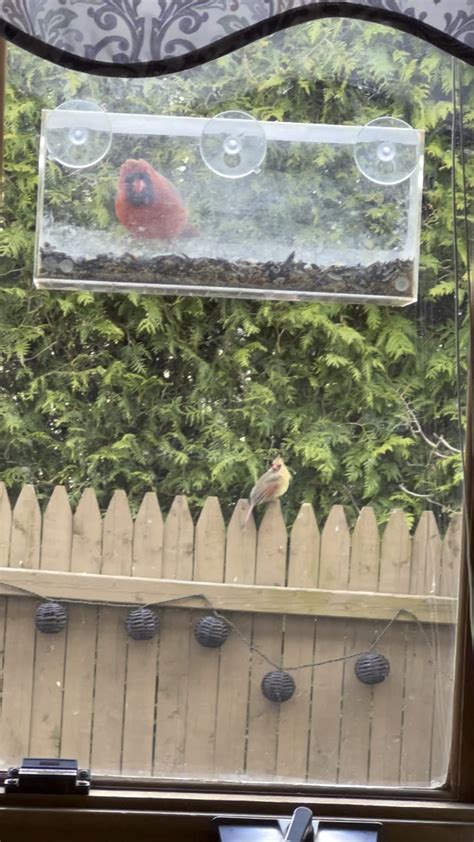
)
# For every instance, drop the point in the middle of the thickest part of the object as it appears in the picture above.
(142, 655)
(267, 634)
(20, 633)
(235, 659)
(330, 644)
(86, 557)
(112, 643)
(168, 707)
(175, 639)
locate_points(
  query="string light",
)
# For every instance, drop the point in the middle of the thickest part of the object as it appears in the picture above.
(211, 631)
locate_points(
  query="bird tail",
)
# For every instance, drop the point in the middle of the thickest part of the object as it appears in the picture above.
(247, 516)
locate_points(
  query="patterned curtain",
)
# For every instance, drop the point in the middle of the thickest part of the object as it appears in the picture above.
(153, 37)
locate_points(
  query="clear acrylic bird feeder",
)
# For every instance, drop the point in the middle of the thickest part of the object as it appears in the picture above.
(265, 218)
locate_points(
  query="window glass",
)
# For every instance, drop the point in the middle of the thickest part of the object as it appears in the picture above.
(316, 311)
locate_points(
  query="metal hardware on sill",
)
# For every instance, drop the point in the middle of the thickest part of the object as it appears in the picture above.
(302, 827)
(48, 776)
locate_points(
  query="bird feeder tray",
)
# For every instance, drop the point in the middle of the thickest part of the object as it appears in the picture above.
(258, 210)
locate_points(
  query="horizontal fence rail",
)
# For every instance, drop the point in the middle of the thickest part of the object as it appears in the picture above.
(257, 599)
(307, 602)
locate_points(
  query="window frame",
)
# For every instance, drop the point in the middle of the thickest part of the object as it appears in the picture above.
(187, 808)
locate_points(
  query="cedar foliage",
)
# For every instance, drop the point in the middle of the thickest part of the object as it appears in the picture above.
(192, 395)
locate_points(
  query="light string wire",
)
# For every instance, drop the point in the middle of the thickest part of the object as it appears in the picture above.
(170, 603)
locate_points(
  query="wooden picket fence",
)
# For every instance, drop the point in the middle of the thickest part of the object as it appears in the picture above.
(168, 707)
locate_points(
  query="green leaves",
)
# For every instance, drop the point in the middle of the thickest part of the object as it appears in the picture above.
(195, 395)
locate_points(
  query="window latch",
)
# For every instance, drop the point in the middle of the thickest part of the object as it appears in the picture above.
(301, 827)
(47, 776)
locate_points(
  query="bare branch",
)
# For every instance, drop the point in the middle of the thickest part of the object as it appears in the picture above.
(434, 445)
(449, 446)
(422, 496)
(352, 498)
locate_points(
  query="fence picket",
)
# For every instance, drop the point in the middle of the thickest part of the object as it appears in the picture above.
(142, 655)
(420, 666)
(81, 635)
(387, 697)
(203, 676)
(330, 643)
(450, 559)
(20, 633)
(174, 645)
(267, 634)
(234, 673)
(48, 680)
(445, 641)
(112, 643)
(356, 696)
(303, 571)
(5, 526)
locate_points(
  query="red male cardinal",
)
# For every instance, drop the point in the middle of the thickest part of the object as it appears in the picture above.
(148, 204)
(271, 485)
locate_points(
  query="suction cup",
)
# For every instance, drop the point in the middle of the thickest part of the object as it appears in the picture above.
(387, 150)
(78, 134)
(233, 144)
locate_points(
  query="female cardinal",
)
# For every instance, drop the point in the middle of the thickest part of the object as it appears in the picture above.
(148, 204)
(271, 485)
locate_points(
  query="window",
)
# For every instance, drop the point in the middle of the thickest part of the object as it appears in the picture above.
(357, 572)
